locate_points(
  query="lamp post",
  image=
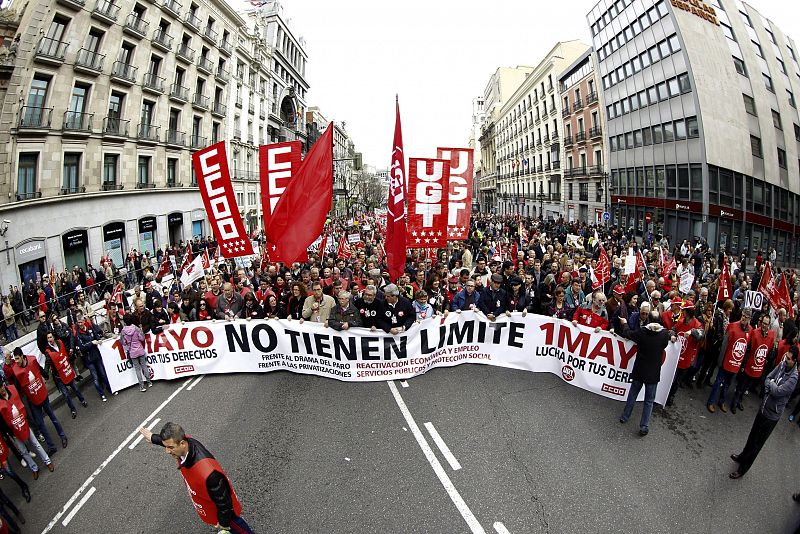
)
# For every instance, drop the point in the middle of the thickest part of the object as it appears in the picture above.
(541, 198)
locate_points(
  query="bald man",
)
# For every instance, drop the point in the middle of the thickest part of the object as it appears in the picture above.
(229, 303)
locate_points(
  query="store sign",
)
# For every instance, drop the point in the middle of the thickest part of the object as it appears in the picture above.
(175, 219)
(113, 231)
(148, 224)
(699, 9)
(32, 250)
(74, 239)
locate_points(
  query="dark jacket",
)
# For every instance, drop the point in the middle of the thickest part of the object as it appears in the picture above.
(349, 315)
(372, 314)
(83, 340)
(779, 386)
(156, 326)
(651, 340)
(401, 314)
(493, 302)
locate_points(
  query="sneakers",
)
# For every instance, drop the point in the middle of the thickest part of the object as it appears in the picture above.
(149, 384)
(74, 414)
(23, 463)
(142, 389)
(739, 406)
(643, 431)
(791, 418)
(103, 398)
(84, 403)
(115, 393)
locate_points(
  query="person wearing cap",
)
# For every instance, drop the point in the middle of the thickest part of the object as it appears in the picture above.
(734, 346)
(690, 332)
(760, 345)
(494, 299)
(466, 299)
(398, 311)
(517, 296)
(671, 316)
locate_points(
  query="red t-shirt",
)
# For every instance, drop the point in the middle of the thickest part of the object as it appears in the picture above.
(587, 317)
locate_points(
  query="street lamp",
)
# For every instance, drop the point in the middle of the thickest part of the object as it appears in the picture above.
(541, 198)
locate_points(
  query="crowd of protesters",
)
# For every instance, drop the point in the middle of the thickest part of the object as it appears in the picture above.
(506, 265)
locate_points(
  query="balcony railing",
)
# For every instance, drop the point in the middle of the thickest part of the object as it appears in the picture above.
(89, 60)
(204, 64)
(173, 6)
(595, 131)
(111, 186)
(185, 52)
(163, 39)
(35, 117)
(556, 165)
(115, 127)
(145, 185)
(200, 101)
(553, 111)
(239, 101)
(192, 20)
(27, 195)
(50, 49)
(219, 109)
(106, 9)
(179, 92)
(153, 82)
(576, 171)
(237, 134)
(210, 35)
(591, 98)
(580, 136)
(74, 4)
(148, 132)
(596, 169)
(555, 197)
(549, 87)
(123, 71)
(77, 122)
(136, 25)
(72, 190)
(174, 137)
(198, 141)
(250, 139)
(578, 104)
(565, 111)
(583, 196)
(225, 47)
(222, 75)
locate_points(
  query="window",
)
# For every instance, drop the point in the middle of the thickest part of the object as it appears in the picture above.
(663, 94)
(658, 136)
(796, 132)
(669, 132)
(612, 144)
(683, 82)
(647, 137)
(674, 88)
(696, 182)
(26, 175)
(71, 173)
(634, 102)
(781, 65)
(781, 158)
(637, 138)
(172, 171)
(629, 140)
(776, 120)
(739, 64)
(143, 171)
(755, 146)
(749, 105)
(674, 45)
(644, 57)
(768, 83)
(110, 170)
(683, 182)
(759, 51)
(652, 95)
(680, 129)
(790, 95)
(727, 31)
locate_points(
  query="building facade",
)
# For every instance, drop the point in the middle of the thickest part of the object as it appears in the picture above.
(702, 122)
(585, 188)
(478, 115)
(528, 142)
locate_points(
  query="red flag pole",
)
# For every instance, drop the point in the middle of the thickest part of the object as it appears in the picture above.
(396, 207)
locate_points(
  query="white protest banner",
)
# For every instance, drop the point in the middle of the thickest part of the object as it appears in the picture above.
(753, 299)
(600, 363)
(572, 240)
(353, 238)
(630, 264)
(687, 281)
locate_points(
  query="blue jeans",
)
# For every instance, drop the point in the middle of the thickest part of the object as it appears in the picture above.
(239, 526)
(11, 332)
(38, 416)
(32, 444)
(721, 385)
(649, 397)
(99, 377)
(63, 389)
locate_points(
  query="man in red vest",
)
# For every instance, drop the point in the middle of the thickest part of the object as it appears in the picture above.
(734, 346)
(762, 341)
(691, 333)
(13, 413)
(209, 488)
(29, 377)
(595, 317)
(57, 353)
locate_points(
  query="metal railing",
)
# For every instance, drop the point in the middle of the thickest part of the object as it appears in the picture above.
(198, 141)
(89, 59)
(174, 137)
(192, 20)
(148, 132)
(591, 98)
(210, 34)
(107, 9)
(111, 186)
(179, 91)
(72, 190)
(173, 6)
(578, 104)
(35, 117)
(185, 52)
(161, 37)
(154, 82)
(124, 71)
(205, 64)
(200, 100)
(51, 49)
(225, 46)
(595, 131)
(137, 24)
(77, 121)
(115, 126)
(222, 75)
(219, 108)
(580, 136)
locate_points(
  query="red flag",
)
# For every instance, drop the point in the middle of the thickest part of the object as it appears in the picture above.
(667, 269)
(116, 296)
(211, 169)
(459, 197)
(725, 290)
(427, 202)
(187, 257)
(264, 258)
(163, 269)
(216, 254)
(277, 165)
(769, 288)
(206, 261)
(432, 256)
(396, 207)
(602, 271)
(344, 248)
(323, 245)
(785, 297)
(308, 197)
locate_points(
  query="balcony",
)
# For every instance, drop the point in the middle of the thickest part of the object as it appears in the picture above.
(73, 4)
(222, 75)
(105, 11)
(192, 21)
(153, 83)
(591, 98)
(239, 101)
(148, 133)
(210, 35)
(176, 138)
(539, 143)
(123, 73)
(577, 105)
(251, 107)
(565, 111)
(555, 197)
(219, 109)
(576, 171)
(136, 26)
(72, 190)
(595, 132)
(200, 101)
(162, 40)
(538, 119)
(173, 184)
(111, 186)
(197, 142)
(556, 165)
(179, 93)
(205, 66)
(549, 87)
(596, 170)
(580, 136)
(225, 47)
(89, 62)
(34, 118)
(145, 185)
(77, 123)
(173, 7)
(546, 167)
(115, 127)
(237, 134)
(185, 53)
(553, 112)
(546, 139)
(250, 139)
(29, 195)
(51, 51)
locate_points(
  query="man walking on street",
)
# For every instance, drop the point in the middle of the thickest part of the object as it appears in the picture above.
(209, 488)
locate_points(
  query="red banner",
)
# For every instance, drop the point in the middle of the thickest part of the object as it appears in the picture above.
(278, 163)
(211, 169)
(725, 291)
(395, 205)
(428, 181)
(460, 190)
(602, 270)
(786, 299)
(770, 289)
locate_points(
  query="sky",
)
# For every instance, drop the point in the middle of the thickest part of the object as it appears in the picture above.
(436, 55)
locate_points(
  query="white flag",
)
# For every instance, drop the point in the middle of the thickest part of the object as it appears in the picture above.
(196, 269)
(687, 281)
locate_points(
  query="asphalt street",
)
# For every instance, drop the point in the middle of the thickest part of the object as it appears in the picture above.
(308, 454)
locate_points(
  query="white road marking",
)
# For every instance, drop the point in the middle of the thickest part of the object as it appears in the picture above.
(455, 496)
(195, 383)
(437, 439)
(404, 383)
(141, 436)
(78, 507)
(108, 460)
(500, 528)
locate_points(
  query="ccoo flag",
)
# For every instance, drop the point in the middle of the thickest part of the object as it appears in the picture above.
(396, 205)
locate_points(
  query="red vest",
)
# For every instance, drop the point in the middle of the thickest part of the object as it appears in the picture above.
(195, 478)
(13, 413)
(587, 317)
(667, 321)
(690, 345)
(737, 345)
(30, 380)
(60, 361)
(759, 350)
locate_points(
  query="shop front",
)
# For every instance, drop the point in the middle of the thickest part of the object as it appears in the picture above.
(175, 226)
(30, 257)
(74, 244)
(197, 223)
(114, 242)
(147, 235)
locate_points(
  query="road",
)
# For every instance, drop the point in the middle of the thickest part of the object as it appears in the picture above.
(309, 454)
